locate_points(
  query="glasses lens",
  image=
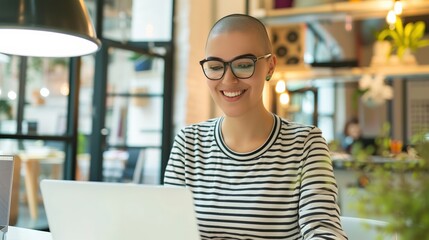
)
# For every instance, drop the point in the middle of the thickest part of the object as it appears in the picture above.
(213, 69)
(243, 67)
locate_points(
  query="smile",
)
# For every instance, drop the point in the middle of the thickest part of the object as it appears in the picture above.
(233, 94)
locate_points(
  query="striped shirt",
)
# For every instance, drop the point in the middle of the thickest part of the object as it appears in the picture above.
(285, 189)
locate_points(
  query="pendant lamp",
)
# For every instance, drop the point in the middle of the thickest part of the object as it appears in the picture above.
(46, 28)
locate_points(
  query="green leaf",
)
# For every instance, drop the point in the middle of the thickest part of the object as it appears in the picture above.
(399, 28)
(6, 108)
(407, 34)
(384, 34)
(396, 37)
(422, 43)
(418, 30)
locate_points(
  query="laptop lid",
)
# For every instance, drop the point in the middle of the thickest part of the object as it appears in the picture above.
(111, 211)
(6, 175)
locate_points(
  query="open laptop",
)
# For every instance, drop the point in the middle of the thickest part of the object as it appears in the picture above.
(6, 176)
(112, 211)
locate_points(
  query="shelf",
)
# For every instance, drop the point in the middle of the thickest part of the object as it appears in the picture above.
(351, 74)
(339, 10)
(357, 10)
(394, 71)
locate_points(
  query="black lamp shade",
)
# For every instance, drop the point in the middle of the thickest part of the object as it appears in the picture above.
(46, 28)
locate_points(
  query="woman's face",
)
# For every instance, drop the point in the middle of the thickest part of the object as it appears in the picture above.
(354, 131)
(234, 96)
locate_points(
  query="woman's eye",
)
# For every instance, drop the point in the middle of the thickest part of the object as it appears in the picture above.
(216, 67)
(245, 65)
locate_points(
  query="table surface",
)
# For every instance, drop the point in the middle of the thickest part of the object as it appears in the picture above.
(17, 233)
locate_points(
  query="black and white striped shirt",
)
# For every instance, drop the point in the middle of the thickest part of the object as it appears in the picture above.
(283, 190)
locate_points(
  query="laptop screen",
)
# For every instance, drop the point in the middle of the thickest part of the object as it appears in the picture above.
(6, 173)
(111, 211)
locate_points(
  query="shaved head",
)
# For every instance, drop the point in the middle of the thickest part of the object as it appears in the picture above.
(242, 23)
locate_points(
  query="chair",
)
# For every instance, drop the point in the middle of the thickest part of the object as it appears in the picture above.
(31, 160)
(361, 228)
(14, 204)
(133, 171)
(9, 190)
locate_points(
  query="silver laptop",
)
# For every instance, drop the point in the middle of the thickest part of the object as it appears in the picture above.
(112, 211)
(6, 176)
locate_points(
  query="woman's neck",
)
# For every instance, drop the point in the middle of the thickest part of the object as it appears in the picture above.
(248, 132)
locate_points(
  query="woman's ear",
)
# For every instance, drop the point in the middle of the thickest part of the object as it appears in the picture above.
(272, 64)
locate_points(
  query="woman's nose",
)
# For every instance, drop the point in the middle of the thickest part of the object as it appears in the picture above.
(229, 76)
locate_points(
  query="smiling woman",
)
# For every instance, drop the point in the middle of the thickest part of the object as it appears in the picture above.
(253, 175)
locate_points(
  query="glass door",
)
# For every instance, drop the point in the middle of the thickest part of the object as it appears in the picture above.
(134, 117)
(301, 107)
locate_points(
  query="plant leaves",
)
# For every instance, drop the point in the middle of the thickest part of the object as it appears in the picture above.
(422, 43)
(384, 34)
(407, 34)
(418, 31)
(399, 28)
(396, 37)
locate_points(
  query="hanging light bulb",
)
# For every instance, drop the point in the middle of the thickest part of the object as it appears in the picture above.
(397, 7)
(11, 95)
(284, 98)
(391, 17)
(280, 86)
(46, 28)
(44, 92)
(64, 90)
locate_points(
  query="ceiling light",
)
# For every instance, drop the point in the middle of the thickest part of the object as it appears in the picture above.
(391, 17)
(280, 86)
(11, 95)
(46, 28)
(44, 92)
(284, 98)
(397, 7)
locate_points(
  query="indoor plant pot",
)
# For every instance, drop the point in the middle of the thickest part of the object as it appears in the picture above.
(405, 40)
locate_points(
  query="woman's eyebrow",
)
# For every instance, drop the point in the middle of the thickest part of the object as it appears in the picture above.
(239, 56)
(214, 58)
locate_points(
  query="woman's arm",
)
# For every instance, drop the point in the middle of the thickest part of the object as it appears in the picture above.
(175, 171)
(318, 209)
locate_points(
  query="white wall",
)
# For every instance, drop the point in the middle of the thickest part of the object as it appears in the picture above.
(194, 18)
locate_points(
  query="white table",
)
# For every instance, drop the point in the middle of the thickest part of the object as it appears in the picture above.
(17, 233)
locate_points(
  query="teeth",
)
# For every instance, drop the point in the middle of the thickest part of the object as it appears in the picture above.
(232, 94)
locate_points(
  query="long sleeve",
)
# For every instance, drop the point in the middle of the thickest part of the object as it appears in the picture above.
(283, 190)
(318, 209)
(175, 171)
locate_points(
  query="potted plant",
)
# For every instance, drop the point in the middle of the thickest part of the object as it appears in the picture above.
(142, 62)
(5, 109)
(405, 40)
(402, 198)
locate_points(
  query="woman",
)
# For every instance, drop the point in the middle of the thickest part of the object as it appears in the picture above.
(352, 134)
(253, 175)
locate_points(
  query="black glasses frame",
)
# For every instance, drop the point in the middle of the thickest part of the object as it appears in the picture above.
(248, 56)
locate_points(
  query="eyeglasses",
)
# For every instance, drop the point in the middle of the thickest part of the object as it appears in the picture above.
(242, 67)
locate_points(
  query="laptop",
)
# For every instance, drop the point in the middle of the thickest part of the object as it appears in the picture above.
(6, 176)
(112, 211)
